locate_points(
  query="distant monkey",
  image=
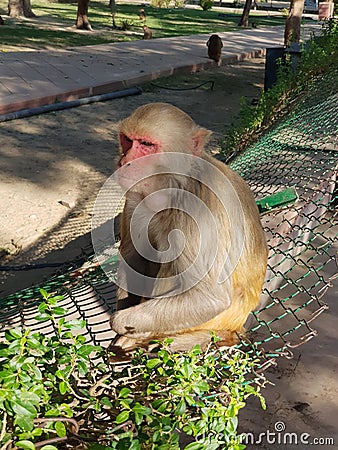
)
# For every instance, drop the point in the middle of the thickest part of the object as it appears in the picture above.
(142, 14)
(215, 45)
(147, 33)
(193, 251)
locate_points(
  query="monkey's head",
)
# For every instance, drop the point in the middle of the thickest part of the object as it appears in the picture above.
(158, 128)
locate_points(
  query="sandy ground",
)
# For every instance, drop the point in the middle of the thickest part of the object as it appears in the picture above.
(66, 156)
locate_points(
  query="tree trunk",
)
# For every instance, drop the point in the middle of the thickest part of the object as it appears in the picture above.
(82, 21)
(17, 8)
(293, 22)
(244, 22)
(27, 10)
(2, 21)
(113, 9)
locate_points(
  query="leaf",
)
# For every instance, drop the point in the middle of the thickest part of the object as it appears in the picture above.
(37, 372)
(25, 422)
(193, 446)
(138, 418)
(48, 447)
(23, 408)
(44, 293)
(25, 444)
(86, 350)
(59, 298)
(187, 370)
(58, 311)
(63, 388)
(202, 386)
(43, 307)
(43, 317)
(106, 402)
(15, 332)
(124, 392)
(7, 377)
(75, 324)
(122, 417)
(140, 409)
(125, 403)
(164, 355)
(180, 408)
(232, 425)
(135, 445)
(153, 363)
(60, 429)
(82, 367)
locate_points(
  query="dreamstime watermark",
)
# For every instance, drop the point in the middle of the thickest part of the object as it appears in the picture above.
(154, 184)
(277, 436)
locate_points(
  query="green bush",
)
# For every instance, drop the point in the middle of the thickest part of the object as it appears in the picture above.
(319, 56)
(206, 4)
(60, 392)
(160, 3)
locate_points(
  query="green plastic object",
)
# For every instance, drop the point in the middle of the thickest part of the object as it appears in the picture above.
(277, 201)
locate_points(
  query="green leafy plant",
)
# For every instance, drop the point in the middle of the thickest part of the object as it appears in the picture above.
(126, 25)
(319, 56)
(206, 4)
(160, 3)
(60, 391)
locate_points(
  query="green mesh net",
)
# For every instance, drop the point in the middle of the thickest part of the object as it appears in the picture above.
(299, 155)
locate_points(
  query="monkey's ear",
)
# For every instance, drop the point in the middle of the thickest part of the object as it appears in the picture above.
(200, 138)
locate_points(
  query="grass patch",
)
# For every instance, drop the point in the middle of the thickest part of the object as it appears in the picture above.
(54, 24)
(319, 58)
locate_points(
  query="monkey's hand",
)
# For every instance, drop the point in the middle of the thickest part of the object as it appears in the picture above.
(132, 322)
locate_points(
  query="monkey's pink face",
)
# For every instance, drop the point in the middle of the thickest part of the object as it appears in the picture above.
(134, 147)
(134, 170)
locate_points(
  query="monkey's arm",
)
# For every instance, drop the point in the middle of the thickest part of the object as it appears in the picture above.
(165, 315)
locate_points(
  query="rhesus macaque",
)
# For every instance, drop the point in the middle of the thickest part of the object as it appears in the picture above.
(142, 14)
(147, 33)
(215, 45)
(193, 253)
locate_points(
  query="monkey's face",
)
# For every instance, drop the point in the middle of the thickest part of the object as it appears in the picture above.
(147, 136)
(157, 128)
(134, 147)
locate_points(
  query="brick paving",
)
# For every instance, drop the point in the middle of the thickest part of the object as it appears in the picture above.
(36, 78)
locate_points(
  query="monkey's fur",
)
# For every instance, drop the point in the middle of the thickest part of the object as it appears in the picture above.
(147, 33)
(209, 305)
(215, 45)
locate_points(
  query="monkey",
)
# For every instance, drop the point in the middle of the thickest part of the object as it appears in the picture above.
(215, 45)
(147, 33)
(142, 14)
(193, 253)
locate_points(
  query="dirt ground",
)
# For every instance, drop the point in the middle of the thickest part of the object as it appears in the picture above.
(66, 157)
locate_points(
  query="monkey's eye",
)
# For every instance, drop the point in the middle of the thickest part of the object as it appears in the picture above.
(146, 143)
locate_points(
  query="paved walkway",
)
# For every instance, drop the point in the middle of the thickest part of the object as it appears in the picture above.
(36, 78)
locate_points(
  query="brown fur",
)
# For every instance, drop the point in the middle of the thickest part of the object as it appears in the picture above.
(188, 317)
(147, 33)
(142, 14)
(215, 45)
